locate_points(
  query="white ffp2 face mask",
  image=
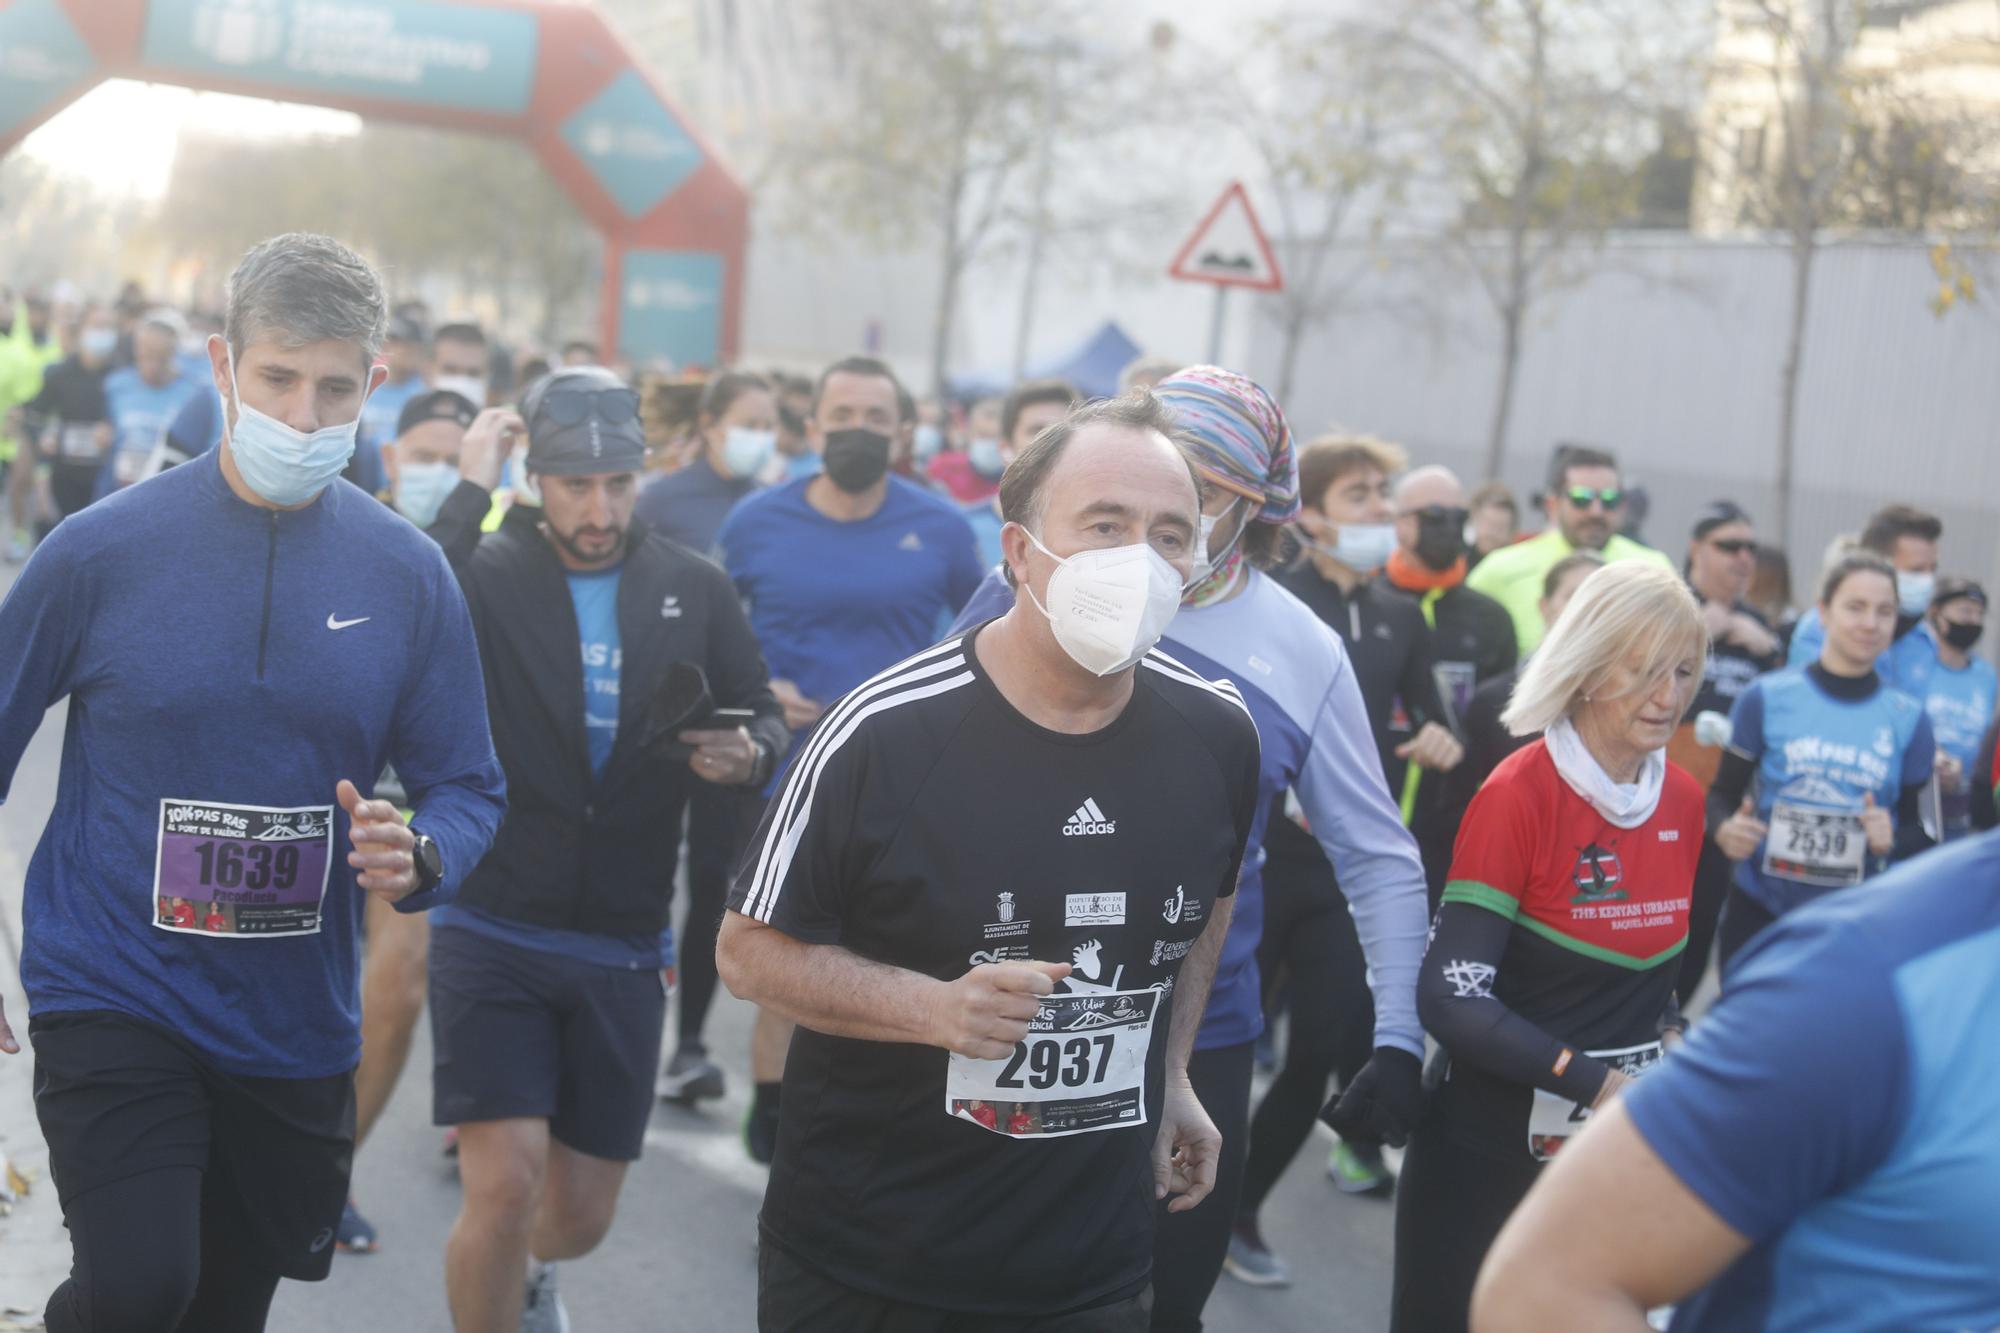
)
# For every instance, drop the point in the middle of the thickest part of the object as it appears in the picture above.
(1108, 607)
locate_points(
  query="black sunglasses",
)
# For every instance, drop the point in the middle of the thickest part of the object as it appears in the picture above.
(1581, 496)
(1440, 514)
(1735, 546)
(572, 407)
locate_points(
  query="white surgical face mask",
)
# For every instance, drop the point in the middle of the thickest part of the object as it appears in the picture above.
(1206, 558)
(1108, 607)
(469, 387)
(421, 489)
(986, 458)
(929, 440)
(98, 344)
(1364, 546)
(286, 466)
(745, 452)
(1913, 592)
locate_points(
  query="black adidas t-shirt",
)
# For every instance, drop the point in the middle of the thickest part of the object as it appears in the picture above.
(930, 826)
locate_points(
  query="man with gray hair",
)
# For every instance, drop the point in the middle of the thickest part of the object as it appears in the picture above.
(243, 637)
(1018, 848)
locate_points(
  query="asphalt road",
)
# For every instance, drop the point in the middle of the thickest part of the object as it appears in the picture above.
(682, 1253)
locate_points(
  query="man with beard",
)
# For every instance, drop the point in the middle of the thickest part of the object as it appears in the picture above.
(545, 978)
(1585, 504)
(846, 572)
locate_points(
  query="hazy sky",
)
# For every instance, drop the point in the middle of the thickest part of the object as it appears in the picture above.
(121, 134)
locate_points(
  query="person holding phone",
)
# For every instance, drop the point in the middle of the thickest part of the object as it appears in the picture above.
(547, 999)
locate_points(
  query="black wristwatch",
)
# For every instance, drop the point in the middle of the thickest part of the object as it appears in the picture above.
(430, 865)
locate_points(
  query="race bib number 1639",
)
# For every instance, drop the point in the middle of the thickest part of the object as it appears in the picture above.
(241, 870)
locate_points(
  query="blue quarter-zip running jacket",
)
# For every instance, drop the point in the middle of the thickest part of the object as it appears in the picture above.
(226, 666)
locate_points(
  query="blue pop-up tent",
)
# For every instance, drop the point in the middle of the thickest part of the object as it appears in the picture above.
(1092, 367)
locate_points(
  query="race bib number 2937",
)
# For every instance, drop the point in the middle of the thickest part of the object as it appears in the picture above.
(241, 870)
(1081, 1069)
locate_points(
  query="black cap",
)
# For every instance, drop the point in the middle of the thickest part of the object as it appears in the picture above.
(1716, 513)
(437, 405)
(1953, 588)
(593, 445)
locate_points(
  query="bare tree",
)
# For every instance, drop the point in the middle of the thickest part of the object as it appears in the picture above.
(1537, 112)
(944, 110)
(1334, 161)
(1840, 143)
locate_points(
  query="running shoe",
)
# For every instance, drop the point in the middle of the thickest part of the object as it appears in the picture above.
(1250, 1260)
(542, 1310)
(760, 1133)
(690, 1077)
(1357, 1168)
(355, 1234)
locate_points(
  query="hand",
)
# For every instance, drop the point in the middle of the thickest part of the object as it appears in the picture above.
(1432, 747)
(986, 1012)
(1613, 1083)
(800, 712)
(1671, 1037)
(103, 435)
(1739, 834)
(488, 441)
(382, 843)
(1383, 1103)
(1718, 618)
(1877, 824)
(1950, 772)
(1752, 637)
(726, 758)
(1187, 1150)
(7, 1042)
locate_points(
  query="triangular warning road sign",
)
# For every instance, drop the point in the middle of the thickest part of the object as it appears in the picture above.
(1228, 247)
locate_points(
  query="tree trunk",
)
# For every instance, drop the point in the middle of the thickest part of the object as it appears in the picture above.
(1805, 248)
(1503, 398)
(947, 302)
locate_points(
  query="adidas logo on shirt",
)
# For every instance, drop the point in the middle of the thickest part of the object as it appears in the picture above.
(912, 542)
(1088, 820)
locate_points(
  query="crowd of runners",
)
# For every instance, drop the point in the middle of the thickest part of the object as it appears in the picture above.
(1043, 768)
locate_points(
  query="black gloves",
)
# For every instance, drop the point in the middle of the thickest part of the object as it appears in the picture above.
(1383, 1103)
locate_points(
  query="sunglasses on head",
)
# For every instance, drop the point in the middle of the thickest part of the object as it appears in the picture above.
(1581, 496)
(1735, 546)
(572, 407)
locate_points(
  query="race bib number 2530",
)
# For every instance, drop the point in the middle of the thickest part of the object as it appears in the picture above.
(1081, 1069)
(241, 870)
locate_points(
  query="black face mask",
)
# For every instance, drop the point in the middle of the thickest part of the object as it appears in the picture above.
(855, 458)
(1440, 540)
(1963, 637)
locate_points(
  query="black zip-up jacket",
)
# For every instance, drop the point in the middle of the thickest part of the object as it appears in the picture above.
(577, 852)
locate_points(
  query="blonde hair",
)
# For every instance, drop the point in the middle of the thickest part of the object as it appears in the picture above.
(1622, 611)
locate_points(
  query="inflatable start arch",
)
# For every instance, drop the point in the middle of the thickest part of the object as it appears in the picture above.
(549, 73)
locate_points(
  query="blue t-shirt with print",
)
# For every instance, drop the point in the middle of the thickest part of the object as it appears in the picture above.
(595, 596)
(140, 414)
(1959, 704)
(1823, 757)
(1837, 1106)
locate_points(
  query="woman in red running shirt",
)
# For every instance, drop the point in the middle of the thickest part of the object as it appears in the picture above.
(214, 921)
(183, 911)
(1020, 1122)
(1550, 977)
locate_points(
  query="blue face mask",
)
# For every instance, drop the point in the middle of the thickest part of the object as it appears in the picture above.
(929, 440)
(985, 457)
(285, 466)
(421, 489)
(745, 452)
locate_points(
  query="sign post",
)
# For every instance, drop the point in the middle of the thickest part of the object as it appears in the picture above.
(1227, 249)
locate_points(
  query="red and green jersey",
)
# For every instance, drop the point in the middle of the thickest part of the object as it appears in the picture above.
(1600, 912)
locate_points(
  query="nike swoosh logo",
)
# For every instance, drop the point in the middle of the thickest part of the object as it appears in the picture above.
(331, 623)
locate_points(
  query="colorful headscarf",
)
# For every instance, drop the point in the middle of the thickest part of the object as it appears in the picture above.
(1237, 437)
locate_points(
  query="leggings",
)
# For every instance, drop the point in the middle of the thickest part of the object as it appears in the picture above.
(1451, 1201)
(1309, 938)
(1712, 878)
(1742, 917)
(159, 1253)
(719, 824)
(1188, 1247)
